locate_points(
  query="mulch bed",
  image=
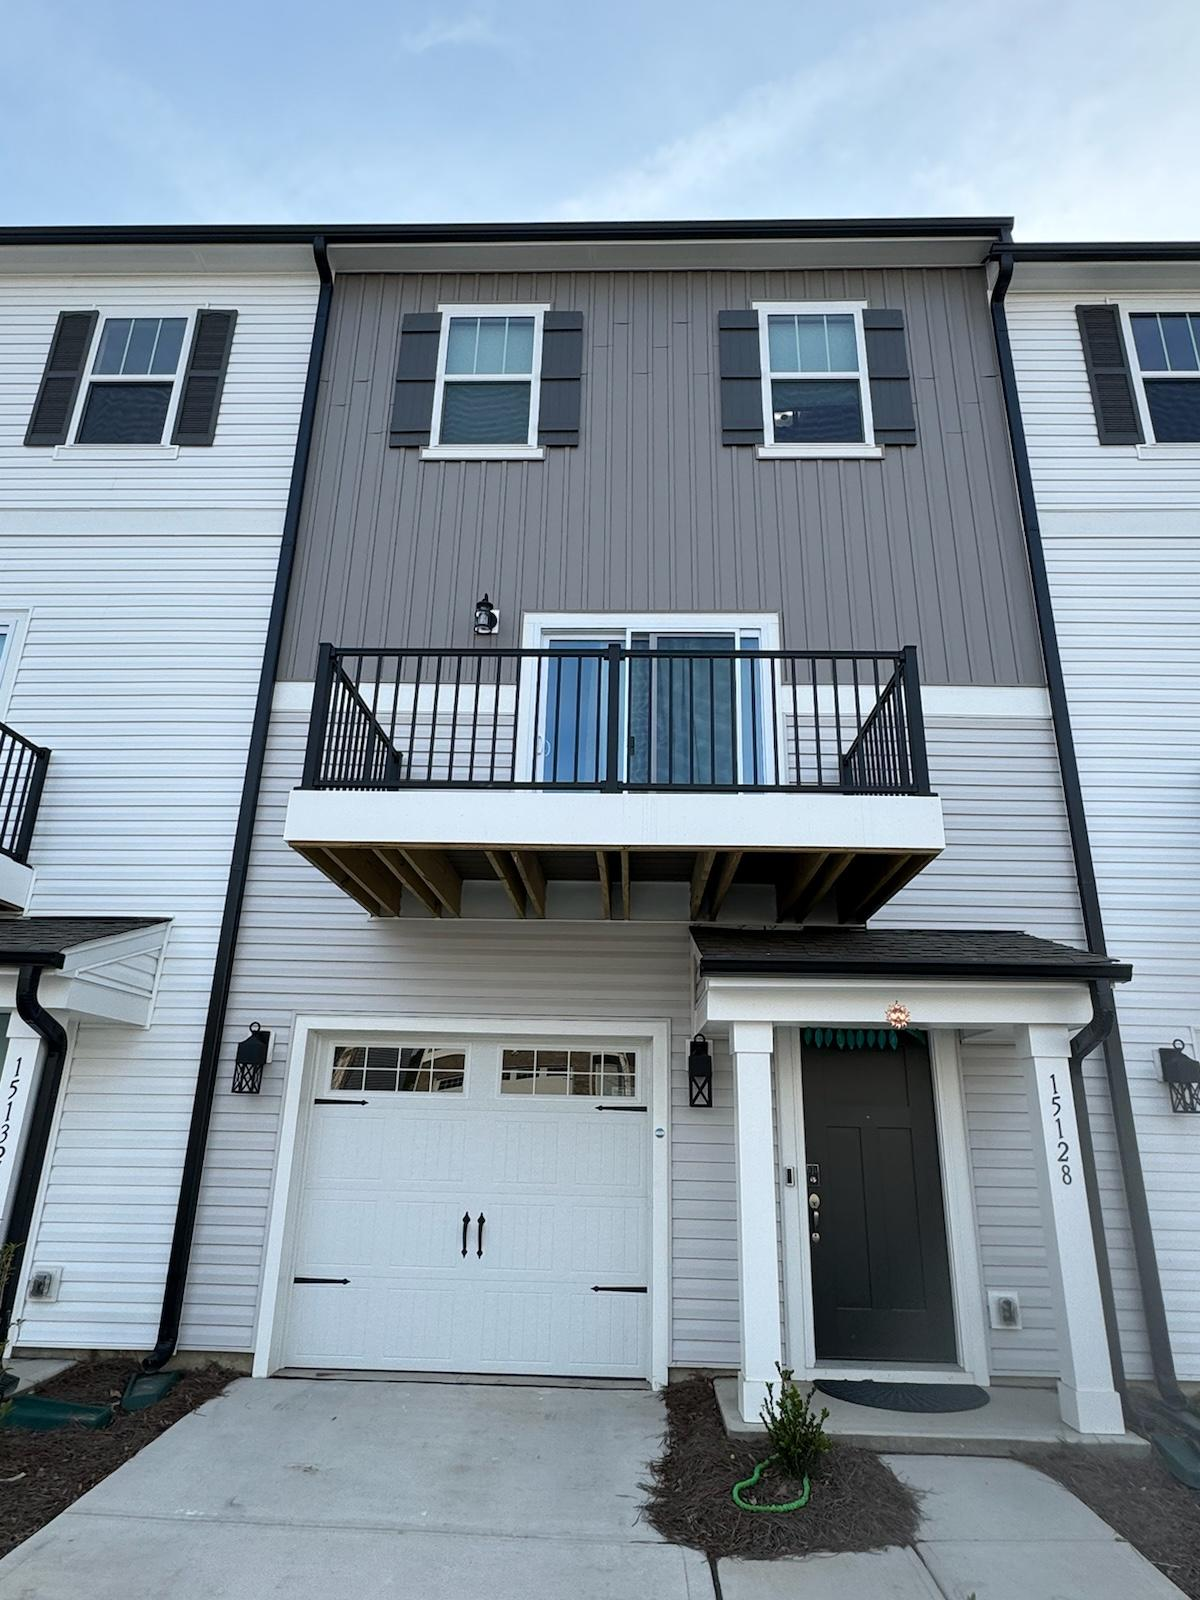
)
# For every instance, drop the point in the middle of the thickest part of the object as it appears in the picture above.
(856, 1503)
(53, 1469)
(1139, 1498)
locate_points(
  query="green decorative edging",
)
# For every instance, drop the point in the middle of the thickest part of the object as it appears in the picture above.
(858, 1038)
(748, 1483)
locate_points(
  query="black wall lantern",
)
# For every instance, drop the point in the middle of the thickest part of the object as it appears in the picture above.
(699, 1073)
(250, 1060)
(1181, 1074)
(487, 618)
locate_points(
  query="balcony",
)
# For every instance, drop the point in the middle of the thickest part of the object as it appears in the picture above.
(615, 781)
(22, 773)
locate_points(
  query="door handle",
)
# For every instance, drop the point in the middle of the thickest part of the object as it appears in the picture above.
(466, 1225)
(479, 1234)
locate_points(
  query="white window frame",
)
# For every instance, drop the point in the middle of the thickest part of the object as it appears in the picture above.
(127, 451)
(1190, 306)
(866, 449)
(539, 628)
(530, 450)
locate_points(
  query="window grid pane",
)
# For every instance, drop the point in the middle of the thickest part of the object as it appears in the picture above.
(812, 342)
(392, 1069)
(591, 1074)
(489, 347)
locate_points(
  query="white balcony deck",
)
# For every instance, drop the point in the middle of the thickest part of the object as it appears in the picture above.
(839, 855)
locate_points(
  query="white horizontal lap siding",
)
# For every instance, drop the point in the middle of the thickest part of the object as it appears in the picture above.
(1071, 468)
(1128, 605)
(1123, 557)
(1007, 861)
(139, 671)
(1008, 1215)
(248, 466)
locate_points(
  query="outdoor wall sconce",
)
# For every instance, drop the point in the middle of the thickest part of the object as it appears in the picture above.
(250, 1060)
(699, 1073)
(487, 618)
(1181, 1074)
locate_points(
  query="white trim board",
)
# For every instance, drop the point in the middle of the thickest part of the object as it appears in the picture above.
(310, 1031)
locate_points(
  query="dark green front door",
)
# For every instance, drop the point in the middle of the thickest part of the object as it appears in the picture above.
(881, 1273)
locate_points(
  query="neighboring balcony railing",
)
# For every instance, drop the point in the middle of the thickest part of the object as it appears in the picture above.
(610, 717)
(22, 773)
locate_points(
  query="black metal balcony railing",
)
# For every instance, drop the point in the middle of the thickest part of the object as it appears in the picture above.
(596, 717)
(22, 773)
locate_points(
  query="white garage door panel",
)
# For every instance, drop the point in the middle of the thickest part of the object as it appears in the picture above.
(563, 1189)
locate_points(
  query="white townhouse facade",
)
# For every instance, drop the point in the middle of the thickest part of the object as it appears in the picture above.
(150, 396)
(612, 907)
(1106, 349)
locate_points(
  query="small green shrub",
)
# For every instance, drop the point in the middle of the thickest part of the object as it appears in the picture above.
(797, 1433)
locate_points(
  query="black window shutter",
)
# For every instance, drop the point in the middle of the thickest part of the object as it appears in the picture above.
(1113, 401)
(51, 415)
(741, 377)
(562, 378)
(892, 411)
(204, 378)
(416, 375)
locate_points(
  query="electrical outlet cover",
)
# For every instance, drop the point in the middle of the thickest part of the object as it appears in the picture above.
(1004, 1309)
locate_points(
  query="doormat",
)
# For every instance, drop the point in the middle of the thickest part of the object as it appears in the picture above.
(906, 1396)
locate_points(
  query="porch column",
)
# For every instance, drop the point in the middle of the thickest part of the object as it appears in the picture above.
(1086, 1396)
(758, 1249)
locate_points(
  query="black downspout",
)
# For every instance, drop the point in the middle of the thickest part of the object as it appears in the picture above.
(41, 1116)
(210, 1050)
(1124, 1126)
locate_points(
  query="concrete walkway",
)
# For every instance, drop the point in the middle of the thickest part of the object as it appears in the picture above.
(303, 1489)
(990, 1529)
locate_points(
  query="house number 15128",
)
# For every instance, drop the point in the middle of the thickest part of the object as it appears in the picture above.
(1063, 1153)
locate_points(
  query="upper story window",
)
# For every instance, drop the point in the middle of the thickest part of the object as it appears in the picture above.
(118, 380)
(486, 400)
(132, 380)
(816, 398)
(1168, 359)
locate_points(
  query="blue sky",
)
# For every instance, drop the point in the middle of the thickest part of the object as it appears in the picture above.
(1079, 116)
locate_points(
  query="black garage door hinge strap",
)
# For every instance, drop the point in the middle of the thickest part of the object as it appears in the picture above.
(622, 1108)
(619, 1288)
(320, 1280)
(319, 1102)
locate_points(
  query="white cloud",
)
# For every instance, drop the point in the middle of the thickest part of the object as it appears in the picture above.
(472, 29)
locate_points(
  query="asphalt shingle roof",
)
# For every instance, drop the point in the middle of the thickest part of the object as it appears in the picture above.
(924, 952)
(44, 941)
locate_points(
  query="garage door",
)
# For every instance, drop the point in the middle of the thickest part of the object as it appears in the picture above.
(474, 1207)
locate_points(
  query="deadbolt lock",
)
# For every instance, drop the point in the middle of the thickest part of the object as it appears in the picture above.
(814, 1202)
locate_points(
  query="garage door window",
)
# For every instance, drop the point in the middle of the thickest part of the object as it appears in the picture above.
(607, 1073)
(394, 1069)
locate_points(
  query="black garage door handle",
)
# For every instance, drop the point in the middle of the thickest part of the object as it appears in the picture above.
(479, 1235)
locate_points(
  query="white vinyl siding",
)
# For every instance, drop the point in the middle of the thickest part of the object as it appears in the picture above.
(144, 585)
(139, 670)
(1120, 534)
(248, 465)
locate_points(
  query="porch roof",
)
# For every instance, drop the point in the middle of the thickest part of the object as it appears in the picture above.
(46, 941)
(902, 952)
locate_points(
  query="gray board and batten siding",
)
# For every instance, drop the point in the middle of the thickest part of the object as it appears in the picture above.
(651, 512)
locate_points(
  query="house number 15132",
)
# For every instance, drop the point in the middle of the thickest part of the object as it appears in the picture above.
(1063, 1152)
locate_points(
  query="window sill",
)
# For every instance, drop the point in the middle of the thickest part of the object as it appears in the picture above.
(1173, 452)
(117, 452)
(820, 452)
(483, 452)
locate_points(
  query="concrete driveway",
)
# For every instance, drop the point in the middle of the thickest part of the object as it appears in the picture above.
(306, 1489)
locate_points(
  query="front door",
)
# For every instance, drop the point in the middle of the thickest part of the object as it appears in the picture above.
(877, 1231)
